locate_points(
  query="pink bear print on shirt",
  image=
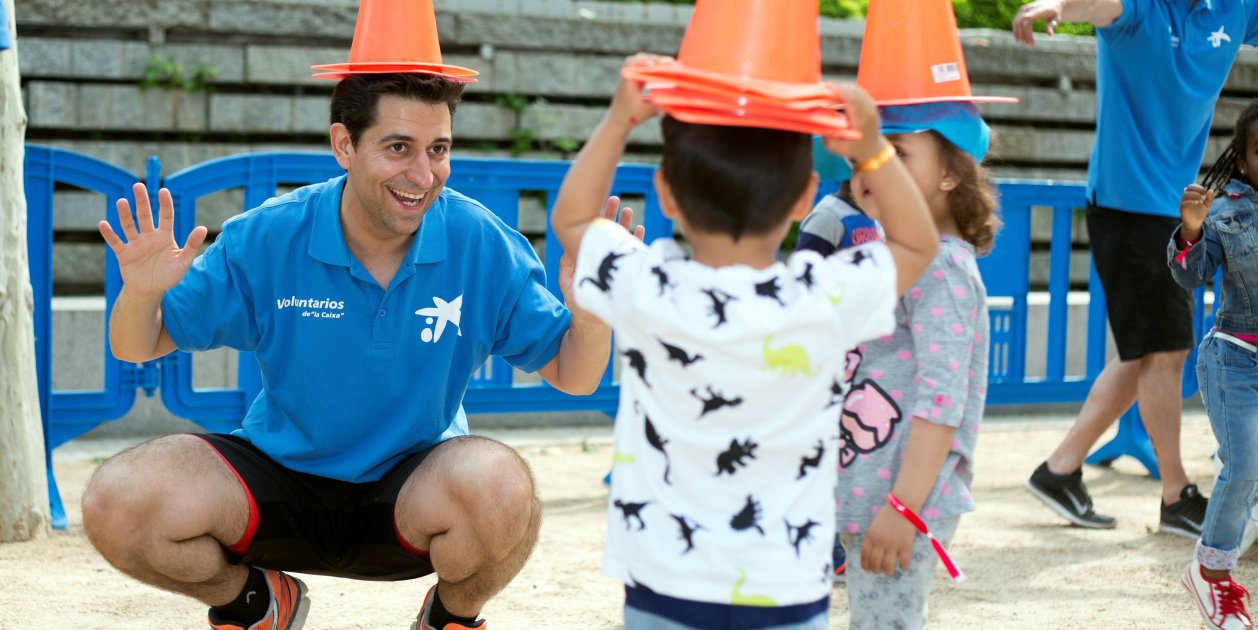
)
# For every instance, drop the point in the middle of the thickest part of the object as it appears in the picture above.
(869, 417)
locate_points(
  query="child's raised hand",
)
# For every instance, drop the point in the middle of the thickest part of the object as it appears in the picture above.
(1193, 208)
(862, 113)
(627, 104)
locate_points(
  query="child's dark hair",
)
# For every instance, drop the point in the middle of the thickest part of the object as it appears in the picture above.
(354, 102)
(734, 180)
(1227, 167)
(973, 202)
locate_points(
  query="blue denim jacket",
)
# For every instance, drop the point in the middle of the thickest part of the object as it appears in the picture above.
(1230, 239)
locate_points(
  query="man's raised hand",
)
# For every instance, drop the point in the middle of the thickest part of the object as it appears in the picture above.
(150, 261)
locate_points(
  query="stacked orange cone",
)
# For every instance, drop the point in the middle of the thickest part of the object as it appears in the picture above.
(748, 63)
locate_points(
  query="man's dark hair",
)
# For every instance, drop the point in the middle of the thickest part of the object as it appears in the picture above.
(734, 180)
(356, 96)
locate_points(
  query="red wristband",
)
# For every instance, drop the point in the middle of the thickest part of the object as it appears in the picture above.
(909, 515)
(1182, 256)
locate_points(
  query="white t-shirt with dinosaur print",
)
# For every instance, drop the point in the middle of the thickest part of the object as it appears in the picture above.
(726, 435)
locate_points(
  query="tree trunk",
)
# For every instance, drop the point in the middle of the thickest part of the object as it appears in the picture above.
(23, 477)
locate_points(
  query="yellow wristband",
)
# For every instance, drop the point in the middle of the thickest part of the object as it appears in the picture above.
(878, 161)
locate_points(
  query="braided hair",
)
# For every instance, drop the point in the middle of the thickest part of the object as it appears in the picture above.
(1227, 168)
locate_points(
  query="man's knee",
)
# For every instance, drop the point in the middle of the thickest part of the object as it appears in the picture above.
(115, 501)
(484, 484)
(164, 484)
(491, 476)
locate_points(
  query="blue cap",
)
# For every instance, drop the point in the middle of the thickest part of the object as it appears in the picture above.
(958, 122)
(829, 167)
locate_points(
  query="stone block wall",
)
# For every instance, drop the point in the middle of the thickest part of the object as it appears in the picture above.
(548, 67)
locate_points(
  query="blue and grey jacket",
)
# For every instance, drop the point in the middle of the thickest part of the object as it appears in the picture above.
(834, 224)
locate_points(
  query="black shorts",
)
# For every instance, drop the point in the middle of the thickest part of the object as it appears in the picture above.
(1148, 311)
(311, 524)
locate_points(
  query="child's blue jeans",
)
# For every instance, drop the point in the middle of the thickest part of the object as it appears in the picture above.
(1228, 375)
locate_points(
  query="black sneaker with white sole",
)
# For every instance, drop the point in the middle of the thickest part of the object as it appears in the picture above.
(1185, 516)
(1067, 496)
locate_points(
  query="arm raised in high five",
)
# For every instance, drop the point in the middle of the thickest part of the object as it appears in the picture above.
(1098, 13)
(151, 263)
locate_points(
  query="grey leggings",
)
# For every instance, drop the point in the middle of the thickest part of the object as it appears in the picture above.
(878, 602)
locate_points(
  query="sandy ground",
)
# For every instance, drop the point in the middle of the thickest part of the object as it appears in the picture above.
(1026, 568)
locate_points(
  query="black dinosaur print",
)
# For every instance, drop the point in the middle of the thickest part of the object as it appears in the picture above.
(688, 530)
(769, 288)
(748, 517)
(806, 277)
(632, 510)
(730, 460)
(679, 355)
(662, 277)
(605, 269)
(714, 401)
(719, 300)
(813, 461)
(797, 534)
(658, 443)
(637, 362)
(859, 257)
(836, 393)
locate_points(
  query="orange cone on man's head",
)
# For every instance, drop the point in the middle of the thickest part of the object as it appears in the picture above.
(395, 36)
(911, 53)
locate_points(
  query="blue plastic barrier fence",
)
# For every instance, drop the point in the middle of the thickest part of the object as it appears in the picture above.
(499, 184)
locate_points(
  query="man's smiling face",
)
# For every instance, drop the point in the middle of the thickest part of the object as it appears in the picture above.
(399, 165)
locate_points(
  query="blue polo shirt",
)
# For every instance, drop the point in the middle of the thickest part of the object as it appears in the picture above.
(1160, 67)
(356, 377)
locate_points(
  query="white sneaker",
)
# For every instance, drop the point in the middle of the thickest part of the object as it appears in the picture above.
(1221, 602)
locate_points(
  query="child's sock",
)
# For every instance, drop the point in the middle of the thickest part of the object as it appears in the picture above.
(250, 605)
(438, 616)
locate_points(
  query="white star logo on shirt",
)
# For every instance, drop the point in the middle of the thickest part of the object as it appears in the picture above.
(445, 313)
(1217, 38)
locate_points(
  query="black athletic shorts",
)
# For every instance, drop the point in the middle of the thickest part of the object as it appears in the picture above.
(1148, 311)
(311, 524)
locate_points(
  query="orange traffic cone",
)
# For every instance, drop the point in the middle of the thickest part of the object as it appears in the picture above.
(749, 63)
(395, 36)
(912, 54)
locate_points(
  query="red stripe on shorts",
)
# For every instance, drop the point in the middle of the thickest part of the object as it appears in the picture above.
(241, 546)
(411, 549)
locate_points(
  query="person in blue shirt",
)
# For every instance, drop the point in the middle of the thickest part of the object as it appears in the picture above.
(370, 300)
(1160, 67)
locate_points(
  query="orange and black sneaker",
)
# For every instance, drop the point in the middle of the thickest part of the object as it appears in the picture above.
(838, 563)
(422, 622)
(287, 610)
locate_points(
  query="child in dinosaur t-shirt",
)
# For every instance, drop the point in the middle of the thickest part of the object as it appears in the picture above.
(721, 506)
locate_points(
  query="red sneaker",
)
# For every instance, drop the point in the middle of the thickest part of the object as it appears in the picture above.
(288, 608)
(422, 622)
(1221, 602)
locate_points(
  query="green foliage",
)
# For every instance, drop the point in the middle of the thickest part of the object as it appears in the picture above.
(998, 14)
(168, 74)
(527, 138)
(995, 14)
(844, 8)
(512, 101)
